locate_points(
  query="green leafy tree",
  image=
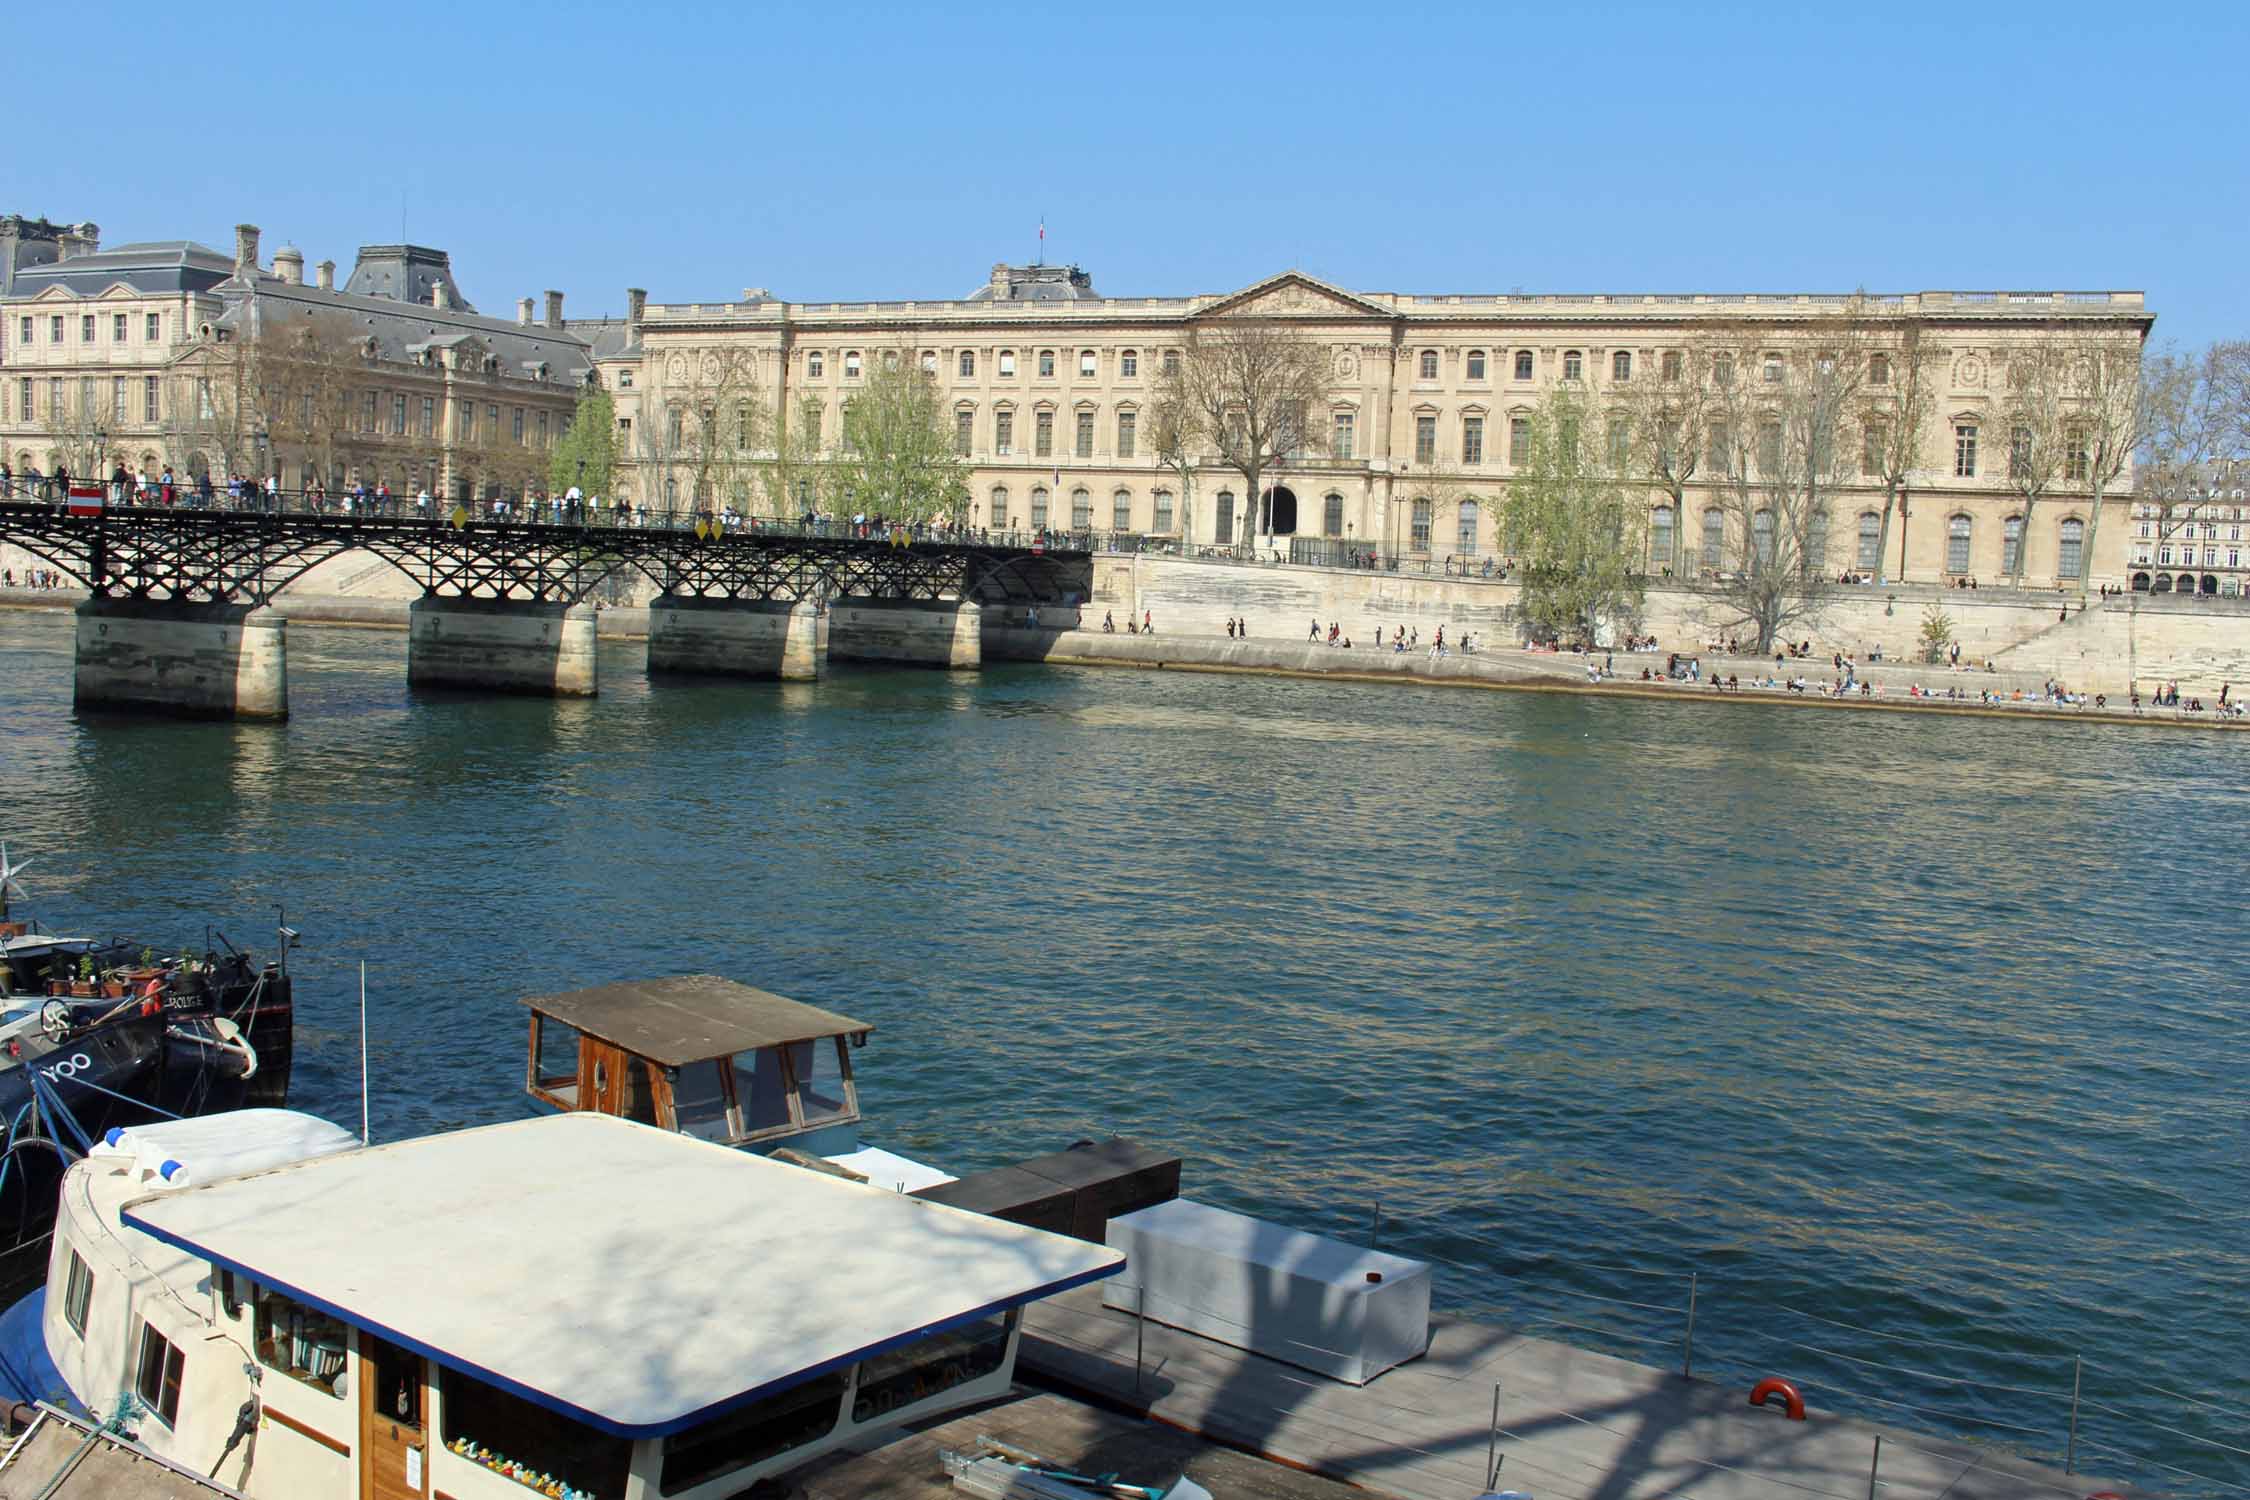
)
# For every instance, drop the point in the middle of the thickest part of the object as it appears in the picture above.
(1574, 523)
(587, 455)
(898, 458)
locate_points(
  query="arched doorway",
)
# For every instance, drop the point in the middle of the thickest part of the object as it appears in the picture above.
(2140, 583)
(2163, 584)
(2210, 583)
(1277, 516)
(2184, 584)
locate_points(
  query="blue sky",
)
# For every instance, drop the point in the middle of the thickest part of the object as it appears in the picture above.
(846, 151)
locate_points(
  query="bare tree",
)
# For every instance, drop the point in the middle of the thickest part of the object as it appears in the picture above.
(1666, 420)
(1250, 390)
(2197, 429)
(77, 428)
(2036, 412)
(304, 374)
(1175, 435)
(1905, 369)
(1783, 418)
(713, 420)
(2112, 421)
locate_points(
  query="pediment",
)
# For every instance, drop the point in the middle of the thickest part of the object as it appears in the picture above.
(1292, 294)
(58, 294)
(118, 289)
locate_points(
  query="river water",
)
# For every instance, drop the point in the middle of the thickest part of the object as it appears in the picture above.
(1916, 1040)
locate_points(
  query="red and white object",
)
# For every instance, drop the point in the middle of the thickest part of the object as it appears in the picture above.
(86, 499)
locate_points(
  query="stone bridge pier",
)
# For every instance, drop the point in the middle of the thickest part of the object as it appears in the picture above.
(502, 646)
(911, 632)
(185, 660)
(767, 638)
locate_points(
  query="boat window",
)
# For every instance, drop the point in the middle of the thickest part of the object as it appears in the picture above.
(488, 1426)
(301, 1342)
(554, 1060)
(699, 1101)
(78, 1294)
(903, 1377)
(233, 1291)
(820, 1079)
(396, 1377)
(772, 1425)
(758, 1088)
(158, 1384)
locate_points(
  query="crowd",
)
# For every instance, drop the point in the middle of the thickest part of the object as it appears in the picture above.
(33, 578)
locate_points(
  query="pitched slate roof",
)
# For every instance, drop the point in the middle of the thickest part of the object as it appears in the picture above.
(403, 330)
(151, 266)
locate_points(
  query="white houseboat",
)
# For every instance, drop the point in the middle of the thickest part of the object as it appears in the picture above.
(575, 1306)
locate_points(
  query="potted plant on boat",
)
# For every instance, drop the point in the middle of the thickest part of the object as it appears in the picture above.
(83, 985)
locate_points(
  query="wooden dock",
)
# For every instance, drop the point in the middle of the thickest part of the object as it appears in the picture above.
(1574, 1425)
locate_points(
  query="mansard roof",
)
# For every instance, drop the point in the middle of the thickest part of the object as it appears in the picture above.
(150, 266)
(403, 331)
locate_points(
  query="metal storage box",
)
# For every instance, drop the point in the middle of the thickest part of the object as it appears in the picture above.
(1302, 1298)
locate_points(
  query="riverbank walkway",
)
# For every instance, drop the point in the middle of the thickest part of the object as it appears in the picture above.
(1573, 1425)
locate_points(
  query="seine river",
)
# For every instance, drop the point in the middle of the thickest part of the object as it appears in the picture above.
(1918, 1040)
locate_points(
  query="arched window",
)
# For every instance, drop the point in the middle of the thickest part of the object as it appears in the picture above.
(1429, 364)
(1769, 369)
(2070, 555)
(1046, 364)
(1761, 537)
(999, 520)
(1523, 364)
(1465, 528)
(1671, 365)
(1039, 508)
(1476, 364)
(1573, 365)
(851, 364)
(1128, 364)
(1870, 554)
(1957, 530)
(1621, 365)
(814, 365)
(1332, 516)
(1163, 521)
(1081, 510)
(1879, 369)
(1660, 537)
(1714, 539)
(968, 364)
(1223, 518)
(1007, 364)
(890, 359)
(1421, 525)
(1121, 511)
(929, 361)
(2011, 544)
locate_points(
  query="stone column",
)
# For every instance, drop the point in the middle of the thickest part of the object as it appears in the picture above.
(912, 632)
(766, 638)
(198, 661)
(502, 646)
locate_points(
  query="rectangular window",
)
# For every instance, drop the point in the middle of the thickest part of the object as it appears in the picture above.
(1086, 364)
(86, 398)
(465, 425)
(1121, 512)
(1965, 450)
(301, 1342)
(117, 332)
(153, 330)
(117, 398)
(86, 329)
(429, 416)
(398, 416)
(542, 429)
(1343, 441)
(1043, 435)
(1873, 438)
(1421, 526)
(772, 1425)
(514, 1430)
(54, 330)
(158, 1384)
(78, 1294)
(1003, 433)
(519, 425)
(28, 413)
(1085, 448)
(1519, 440)
(1163, 522)
(28, 325)
(149, 403)
(1472, 440)
(1425, 440)
(1127, 425)
(964, 432)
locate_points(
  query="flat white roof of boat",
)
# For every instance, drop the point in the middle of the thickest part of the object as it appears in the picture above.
(636, 1279)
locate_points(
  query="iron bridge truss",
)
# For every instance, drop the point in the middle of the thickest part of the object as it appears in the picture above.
(193, 556)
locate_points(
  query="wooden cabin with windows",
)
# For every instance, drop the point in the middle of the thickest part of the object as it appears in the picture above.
(702, 1056)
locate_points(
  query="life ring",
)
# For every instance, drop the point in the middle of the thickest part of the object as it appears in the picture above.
(1792, 1404)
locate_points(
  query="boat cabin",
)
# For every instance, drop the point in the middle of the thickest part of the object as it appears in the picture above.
(568, 1306)
(702, 1056)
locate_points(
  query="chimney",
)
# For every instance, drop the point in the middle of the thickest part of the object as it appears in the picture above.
(289, 265)
(554, 309)
(1000, 277)
(327, 274)
(81, 239)
(245, 249)
(636, 303)
(437, 295)
(523, 311)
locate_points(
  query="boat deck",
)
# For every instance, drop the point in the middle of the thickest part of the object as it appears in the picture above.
(55, 1462)
(1574, 1425)
(1062, 1431)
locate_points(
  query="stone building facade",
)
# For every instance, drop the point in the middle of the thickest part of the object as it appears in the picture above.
(1049, 385)
(170, 355)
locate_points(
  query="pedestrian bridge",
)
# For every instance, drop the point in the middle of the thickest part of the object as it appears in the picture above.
(182, 615)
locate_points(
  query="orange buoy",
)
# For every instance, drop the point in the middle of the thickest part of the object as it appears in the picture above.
(1791, 1403)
